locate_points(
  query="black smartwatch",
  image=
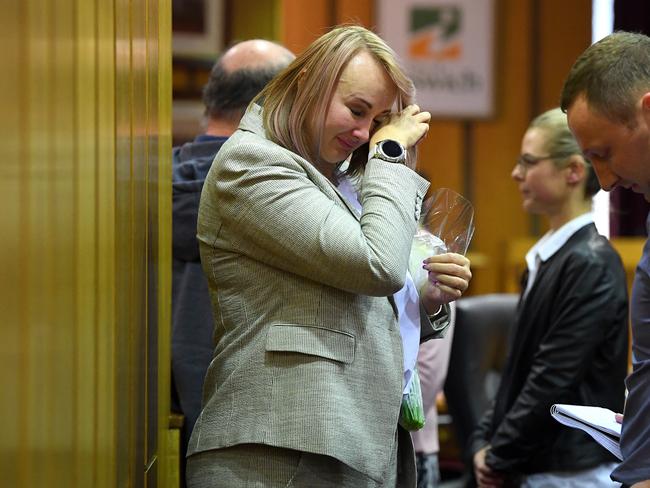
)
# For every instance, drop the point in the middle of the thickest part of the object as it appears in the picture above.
(389, 150)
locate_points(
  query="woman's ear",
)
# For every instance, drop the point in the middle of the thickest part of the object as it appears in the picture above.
(577, 171)
(645, 108)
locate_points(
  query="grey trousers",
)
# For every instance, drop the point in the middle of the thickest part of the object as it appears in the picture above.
(428, 470)
(262, 466)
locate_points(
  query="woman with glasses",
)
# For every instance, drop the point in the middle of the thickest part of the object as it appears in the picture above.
(570, 342)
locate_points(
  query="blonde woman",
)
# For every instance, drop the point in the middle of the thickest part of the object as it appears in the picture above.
(306, 382)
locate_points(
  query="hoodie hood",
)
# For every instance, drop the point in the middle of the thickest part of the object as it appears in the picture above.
(190, 165)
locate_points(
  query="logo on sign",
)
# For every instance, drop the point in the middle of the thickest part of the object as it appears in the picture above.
(435, 33)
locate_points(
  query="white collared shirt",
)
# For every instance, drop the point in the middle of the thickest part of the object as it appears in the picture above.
(551, 243)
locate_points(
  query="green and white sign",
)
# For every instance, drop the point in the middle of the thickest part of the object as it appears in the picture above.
(447, 48)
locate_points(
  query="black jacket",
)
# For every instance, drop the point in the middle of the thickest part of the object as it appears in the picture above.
(192, 323)
(569, 345)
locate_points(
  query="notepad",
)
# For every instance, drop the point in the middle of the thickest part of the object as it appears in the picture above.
(600, 423)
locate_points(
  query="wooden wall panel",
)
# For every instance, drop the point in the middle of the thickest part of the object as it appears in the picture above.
(354, 11)
(86, 86)
(538, 41)
(160, 106)
(496, 144)
(441, 155)
(13, 276)
(565, 28)
(302, 22)
(128, 304)
(265, 21)
(86, 267)
(292, 22)
(104, 150)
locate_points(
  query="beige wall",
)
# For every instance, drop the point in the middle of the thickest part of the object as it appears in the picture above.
(85, 176)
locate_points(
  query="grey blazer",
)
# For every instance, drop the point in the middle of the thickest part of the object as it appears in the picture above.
(308, 354)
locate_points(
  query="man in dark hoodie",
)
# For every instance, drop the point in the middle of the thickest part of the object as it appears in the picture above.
(239, 74)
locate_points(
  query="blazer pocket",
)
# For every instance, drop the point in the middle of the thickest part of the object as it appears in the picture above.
(309, 339)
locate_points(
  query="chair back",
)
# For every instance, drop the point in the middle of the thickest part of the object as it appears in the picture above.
(478, 354)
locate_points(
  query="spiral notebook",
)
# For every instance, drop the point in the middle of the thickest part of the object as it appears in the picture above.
(598, 422)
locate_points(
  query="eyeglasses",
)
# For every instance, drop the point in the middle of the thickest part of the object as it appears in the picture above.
(527, 161)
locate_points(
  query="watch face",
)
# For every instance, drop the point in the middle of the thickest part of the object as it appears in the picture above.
(391, 148)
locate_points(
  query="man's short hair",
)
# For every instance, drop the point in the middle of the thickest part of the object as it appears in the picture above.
(611, 74)
(227, 94)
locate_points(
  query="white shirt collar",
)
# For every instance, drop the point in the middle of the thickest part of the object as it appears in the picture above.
(552, 241)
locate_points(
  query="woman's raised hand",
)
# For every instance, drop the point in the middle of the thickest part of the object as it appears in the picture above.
(407, 127)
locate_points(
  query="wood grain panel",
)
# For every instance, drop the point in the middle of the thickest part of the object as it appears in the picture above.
(85, 139)
(564, 36)
(354, 12)
(106, 455)
(441, 154)
(127, 305)
(302, 22)
(13, 463)
(86, 273)
(160, 61)
(496, 144)
(264, 23)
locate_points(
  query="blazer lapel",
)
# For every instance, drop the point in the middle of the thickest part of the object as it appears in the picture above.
(252, 122)
(347, 204)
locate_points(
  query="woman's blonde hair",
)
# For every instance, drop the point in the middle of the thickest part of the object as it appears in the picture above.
(304, 89)
(560, 141)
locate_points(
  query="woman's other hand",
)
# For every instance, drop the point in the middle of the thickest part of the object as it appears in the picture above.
(407, 127)
(485, 477)
(449, 276)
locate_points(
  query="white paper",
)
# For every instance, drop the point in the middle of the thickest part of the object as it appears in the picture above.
(600, 423)
(407, 301)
